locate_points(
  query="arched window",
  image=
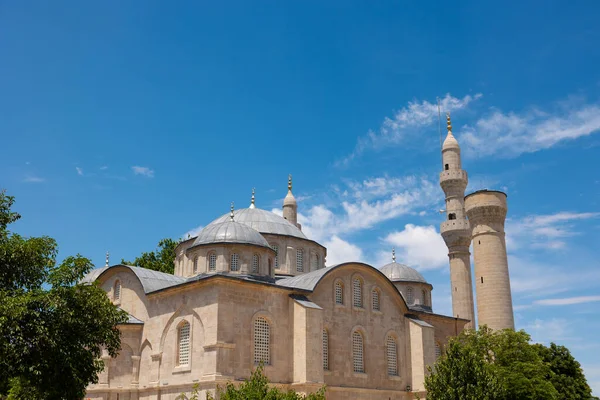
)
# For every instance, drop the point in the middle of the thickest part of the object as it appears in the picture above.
(357, 352)
(183, 340)
(276, 256)
(235, 262)
(325, 350)
(410, 296)
(424, 294)
(438, 350)
(255, 263)
(375, 298)
(451, 216)
(299, 260)
(392, 356)
(357, 299)
(315, 262)
(262, 341)
(195, 264)
(117, 290)
(339, 293)
(212, 262)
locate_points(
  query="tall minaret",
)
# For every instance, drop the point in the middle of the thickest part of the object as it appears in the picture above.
(290, 207)
(456, 230)
(487, 211)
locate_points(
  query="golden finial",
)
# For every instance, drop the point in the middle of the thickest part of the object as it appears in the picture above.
(231, 213)
(252, 201)
(107, 254)
(290, 182)
(393, 255)
(449, 123)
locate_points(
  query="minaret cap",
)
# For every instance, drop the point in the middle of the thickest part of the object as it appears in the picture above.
(289, 198)
(393, 255)
(252, 200)
(231, 212)
(107, 255)
(450, 141)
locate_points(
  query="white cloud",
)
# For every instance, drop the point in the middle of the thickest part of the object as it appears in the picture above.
(192, 232)
(144, 171)
(33, 179)
(339, 251)
(79, 171)
(550, 330)
(104, 167)
(567, 301)
(419, 246)
(511, 134)
(406, 122)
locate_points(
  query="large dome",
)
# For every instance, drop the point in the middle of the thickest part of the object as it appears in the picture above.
(401, 273)
(230, 232)
(263, 221)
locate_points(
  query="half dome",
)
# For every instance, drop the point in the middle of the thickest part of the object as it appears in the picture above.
(262, 221)
(401, 273)
(230, 232)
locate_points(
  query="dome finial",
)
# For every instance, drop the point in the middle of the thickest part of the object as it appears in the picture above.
(393, 254)
(448, 122)
(107, 255)
(252, 201)
(290, 182)
(231, 213)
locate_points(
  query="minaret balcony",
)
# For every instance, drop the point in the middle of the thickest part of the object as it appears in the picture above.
(455, 225)
(453, 175)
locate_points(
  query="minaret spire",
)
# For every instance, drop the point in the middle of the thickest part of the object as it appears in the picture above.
(393, 255)
(107, 256)
(231, 212)
(448, 122)
(290, 182)
(252, 200)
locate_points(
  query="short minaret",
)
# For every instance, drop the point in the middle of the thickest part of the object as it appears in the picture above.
(290, 207)
(456, 230)
(486, 210)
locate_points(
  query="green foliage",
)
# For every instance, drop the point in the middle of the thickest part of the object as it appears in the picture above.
(257, 388)
(162, 259)
(490, 365)
(52, 328)
(565, 374)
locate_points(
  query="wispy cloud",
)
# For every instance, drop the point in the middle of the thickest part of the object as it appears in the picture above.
(406, 123)
(104, 168)
(79, 171)
(510, 134)
(192, 232)
(567, 301)
(144, 171)
(33, 179)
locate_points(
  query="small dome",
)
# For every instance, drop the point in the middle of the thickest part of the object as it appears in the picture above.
(450, 142)
(401, 273)
(230, 232)
(289, 199)
(263, 221)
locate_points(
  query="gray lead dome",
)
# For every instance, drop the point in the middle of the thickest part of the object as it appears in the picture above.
(230, 232)
(263, 221)
(401, 273)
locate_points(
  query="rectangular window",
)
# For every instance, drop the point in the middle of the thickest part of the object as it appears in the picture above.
(184, 344)
(276, 256)
(392, 356)
(325, 350)
(339, 293)
(299, 260)
(357, 293)
(357, 352)
(262, 338)
(375, 300)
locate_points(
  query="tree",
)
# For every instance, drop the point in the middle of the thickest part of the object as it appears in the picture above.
(163, 259)
(52, 328)
(566, 374)
(257, 388)
(490, 365)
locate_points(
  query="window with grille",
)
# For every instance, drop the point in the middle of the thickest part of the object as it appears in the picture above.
(410, 297)
(183, 338)
(235, 262)
(392, 356)
(438, 350)
(117, 290)
(325, 350)
(339, 293)
(212, 262)
(357, 352)
(262, 341)
(357, 293)
(315, 262)
(276, 256)
(424, 294)
(195, 264)
(375, 296)
(255, 263)
(299, 260)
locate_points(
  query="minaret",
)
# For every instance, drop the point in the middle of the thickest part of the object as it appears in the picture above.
(486, 210)
(290, 207)
(456, 230)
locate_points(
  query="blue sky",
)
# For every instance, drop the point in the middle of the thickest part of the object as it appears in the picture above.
(123, 123)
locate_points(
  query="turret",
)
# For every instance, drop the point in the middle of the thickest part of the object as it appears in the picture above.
(290, 207)
(486, 210)
(456, 230)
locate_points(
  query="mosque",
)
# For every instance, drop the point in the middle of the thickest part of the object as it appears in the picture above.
(253, 289)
